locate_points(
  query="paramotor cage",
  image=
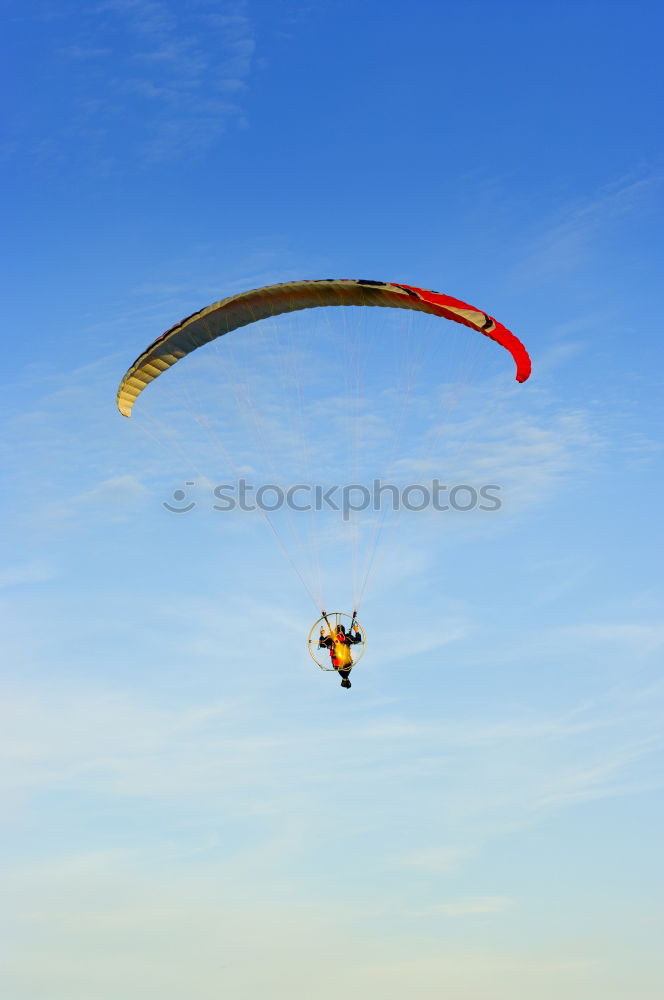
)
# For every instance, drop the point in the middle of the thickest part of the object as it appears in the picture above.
(326, 625)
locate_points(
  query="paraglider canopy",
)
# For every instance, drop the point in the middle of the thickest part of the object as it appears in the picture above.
(259, 303)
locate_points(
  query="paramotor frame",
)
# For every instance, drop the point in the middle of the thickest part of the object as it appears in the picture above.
(328, 623)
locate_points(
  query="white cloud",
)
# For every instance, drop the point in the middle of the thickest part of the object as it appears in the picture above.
(567, 244)
(639, 639)
(160, 72)
(439, 859)
(472, 906)
(33, 572)
(111, 924)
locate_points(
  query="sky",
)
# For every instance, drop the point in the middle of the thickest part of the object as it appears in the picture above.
(189, 806)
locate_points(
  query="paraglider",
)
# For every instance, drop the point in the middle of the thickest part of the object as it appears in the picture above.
(330, 640)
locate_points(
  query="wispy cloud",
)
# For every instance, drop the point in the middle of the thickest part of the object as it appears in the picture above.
(529, 456)
(438, 859)
(33, 572)
(567, 243)
(112, 499)
(640, 639)
(76, 917)
(472, 906)
(154, 79)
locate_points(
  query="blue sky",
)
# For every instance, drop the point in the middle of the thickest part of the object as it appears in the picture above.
(189, 805)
